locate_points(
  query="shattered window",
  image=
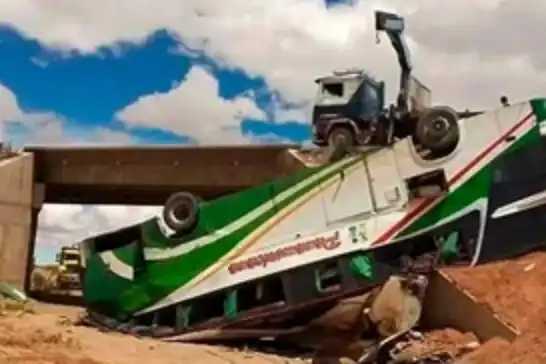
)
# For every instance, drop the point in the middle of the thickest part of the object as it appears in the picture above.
(332, 93)
(72, 256)
(334, 89)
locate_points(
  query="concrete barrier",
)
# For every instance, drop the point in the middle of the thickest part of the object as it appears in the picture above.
(449, 305)
(16, 186)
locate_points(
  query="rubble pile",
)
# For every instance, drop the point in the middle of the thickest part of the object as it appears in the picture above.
(511, 290)
(378, 327)
(515, 290)
(440, 346)
(375, 327)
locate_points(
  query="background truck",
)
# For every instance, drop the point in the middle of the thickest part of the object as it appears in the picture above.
(69, 268)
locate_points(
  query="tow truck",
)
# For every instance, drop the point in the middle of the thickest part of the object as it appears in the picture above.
(350, 109)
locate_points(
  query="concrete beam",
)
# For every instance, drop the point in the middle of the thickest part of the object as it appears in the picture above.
(130, 175)
(16, 181)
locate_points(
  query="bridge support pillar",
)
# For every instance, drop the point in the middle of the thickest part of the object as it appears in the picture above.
(16, 212)
(31, 247)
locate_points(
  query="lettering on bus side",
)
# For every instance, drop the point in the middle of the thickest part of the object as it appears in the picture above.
(326, 243)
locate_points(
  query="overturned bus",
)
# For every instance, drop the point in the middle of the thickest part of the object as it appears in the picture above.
(273, 256)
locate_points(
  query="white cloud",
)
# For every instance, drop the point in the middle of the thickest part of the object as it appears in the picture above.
(67, 224)
(9, 106)
(467, 51)
(9, 109)
(46, 128)
(194, 108)
(42, 125)
(105, 136)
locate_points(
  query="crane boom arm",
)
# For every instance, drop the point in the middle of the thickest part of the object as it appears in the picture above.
(394, 26)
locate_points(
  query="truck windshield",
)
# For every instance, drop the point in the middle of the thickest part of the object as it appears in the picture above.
(337, 92)
(331, 94)
(71, 256)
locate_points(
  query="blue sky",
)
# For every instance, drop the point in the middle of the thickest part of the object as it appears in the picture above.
(87, 90)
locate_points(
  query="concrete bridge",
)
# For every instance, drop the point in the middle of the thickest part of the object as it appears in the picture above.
(118, 175)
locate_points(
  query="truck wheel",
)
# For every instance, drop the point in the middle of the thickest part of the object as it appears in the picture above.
(438, 129)
(340, 140)
(181, 212)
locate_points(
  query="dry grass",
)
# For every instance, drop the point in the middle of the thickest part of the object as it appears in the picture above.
(44, 278)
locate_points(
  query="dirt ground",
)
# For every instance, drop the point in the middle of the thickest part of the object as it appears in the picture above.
(515, 290)
(48, 337)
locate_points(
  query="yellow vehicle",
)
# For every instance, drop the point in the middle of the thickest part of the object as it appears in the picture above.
(69, 260)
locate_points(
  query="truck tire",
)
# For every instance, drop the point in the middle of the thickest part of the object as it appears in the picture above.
(181, 212)
(340, 140)
(438, 129)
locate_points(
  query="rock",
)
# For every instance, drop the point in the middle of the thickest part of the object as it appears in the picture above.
(395, 308)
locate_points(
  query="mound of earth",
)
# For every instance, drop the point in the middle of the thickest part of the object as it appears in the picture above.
(516, 291)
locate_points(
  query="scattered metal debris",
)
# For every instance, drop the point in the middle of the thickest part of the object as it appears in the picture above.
(382, 332)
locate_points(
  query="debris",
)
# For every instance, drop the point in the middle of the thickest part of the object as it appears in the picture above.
(442, 346)
(65, 321)
(375, 324)
(346, 314)
(397, 307)
(17, 308)
(12, 293)
(415, 335)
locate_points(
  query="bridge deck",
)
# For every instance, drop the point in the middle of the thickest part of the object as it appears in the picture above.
(147, 175)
